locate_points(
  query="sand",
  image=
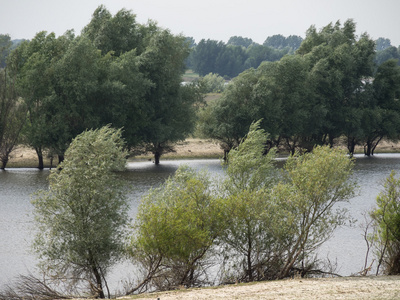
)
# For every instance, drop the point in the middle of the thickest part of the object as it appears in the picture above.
(374, 287)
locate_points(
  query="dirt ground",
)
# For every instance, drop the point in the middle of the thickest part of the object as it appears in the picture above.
(381, 287)
(190, 148)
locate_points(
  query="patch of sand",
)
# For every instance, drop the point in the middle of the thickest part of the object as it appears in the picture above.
(381, 287)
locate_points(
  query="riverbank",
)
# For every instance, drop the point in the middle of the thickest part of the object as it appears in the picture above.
(191, 148)
(373, 287)
(24, 157)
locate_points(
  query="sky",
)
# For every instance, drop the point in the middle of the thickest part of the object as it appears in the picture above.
(207, 19)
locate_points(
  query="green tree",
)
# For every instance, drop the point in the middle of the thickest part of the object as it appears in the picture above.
(81, 218)
(34, 64)
(381, 118)
(227, 119)
(169, 106)
(12, 116)
(338, 64)
(230, 61)
(382, 44)
(175, 229)
(117, 34)
(259, 53)
(251, 238)
(386, 54)
(274, 225)
(205, 56)
(278, 41)
(70, 107)
(386, 224)
(5, 47)
(315, 183)
(240, 41)
(212, 83)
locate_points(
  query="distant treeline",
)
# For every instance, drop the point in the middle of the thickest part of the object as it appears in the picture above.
(241, 53)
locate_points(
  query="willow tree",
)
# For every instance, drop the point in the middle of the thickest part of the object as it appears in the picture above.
(81, 217)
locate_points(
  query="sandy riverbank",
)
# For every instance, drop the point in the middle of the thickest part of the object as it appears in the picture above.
(189, 149)
(381, 287)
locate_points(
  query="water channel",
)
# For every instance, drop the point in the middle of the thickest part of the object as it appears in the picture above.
(347, 246)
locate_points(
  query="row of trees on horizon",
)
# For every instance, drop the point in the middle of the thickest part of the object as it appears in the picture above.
(239, 54)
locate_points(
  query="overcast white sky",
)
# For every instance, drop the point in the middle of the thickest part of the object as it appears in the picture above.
(209, 19)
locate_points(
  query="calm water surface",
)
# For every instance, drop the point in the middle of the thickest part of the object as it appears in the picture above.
(347, 246)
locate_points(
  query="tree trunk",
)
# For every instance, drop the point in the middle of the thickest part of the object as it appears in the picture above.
(226, 152)
(99, 284)
(157, 156)
(4, 162)
(351, 145)
(249, 249)
(60, 158)
(367, 148)
(40, 158)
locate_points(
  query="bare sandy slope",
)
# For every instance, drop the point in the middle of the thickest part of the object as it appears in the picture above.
(381, 287)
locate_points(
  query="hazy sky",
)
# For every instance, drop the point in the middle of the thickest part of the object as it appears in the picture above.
(209, 19)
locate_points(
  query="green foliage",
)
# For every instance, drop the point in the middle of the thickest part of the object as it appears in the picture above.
(81, 218)
(386, 225)
(249, 168)
(323, 92)
(229, 60)
(212, 83)
(317, 181)
(12, 116)
(250, 238)
(278, 41)
(5, 47)
(240, 41)
(266, 225)
(175, 229)
(276, 226)
(116, 72)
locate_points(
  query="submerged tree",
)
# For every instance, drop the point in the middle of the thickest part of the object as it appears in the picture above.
(12, 116)
(81, 217)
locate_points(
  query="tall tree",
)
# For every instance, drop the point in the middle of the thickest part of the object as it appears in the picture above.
(82, 216)
(382, 116)
(170, 107)
(36, 78)
(70, 107)
(338, 64)
(5, 48)
(12, 116)
(119, 33)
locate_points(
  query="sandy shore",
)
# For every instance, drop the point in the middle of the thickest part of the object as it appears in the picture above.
(381, 287)
(188, 149)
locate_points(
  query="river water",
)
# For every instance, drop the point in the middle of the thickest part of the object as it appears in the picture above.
(347, 247)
